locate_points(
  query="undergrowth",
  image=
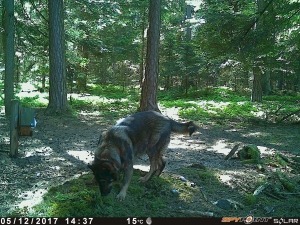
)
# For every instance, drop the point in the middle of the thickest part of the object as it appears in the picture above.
(211, 104)
(170, 195)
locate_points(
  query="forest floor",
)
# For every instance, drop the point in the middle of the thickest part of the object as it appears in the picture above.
(197, 180)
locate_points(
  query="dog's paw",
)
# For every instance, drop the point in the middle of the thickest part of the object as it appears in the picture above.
(121, 196)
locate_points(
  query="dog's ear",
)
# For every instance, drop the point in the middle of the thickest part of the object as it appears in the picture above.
(99, 140)
(102, 135)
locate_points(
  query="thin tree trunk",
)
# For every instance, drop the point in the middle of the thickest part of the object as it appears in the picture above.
(57, 88)
(9, 48)
(257, 85)
(149, 84)
(142, 48)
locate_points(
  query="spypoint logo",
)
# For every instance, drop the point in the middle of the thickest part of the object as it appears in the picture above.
(250, 219)
(247, 220)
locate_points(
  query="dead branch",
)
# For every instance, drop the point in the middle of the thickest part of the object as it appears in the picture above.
(233, 150)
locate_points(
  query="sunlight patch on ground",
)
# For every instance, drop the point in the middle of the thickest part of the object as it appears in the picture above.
(254, 134)
(141, 167)
(84, 156)
(31, 198)
(260, 114)
(265, 151)
(94, 99)
(87, 113)
(46, 151)
(225, 178)
(175, 143)
(229, 177)
(171, 112)
(220, 147)
(30, 91)
(205, 103)
(40, 97)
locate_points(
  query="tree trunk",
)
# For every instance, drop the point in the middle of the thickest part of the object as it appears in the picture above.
(266, 81)
(143, 47)
(257, 85)
(9, 55)
(57, 82)
(149, 84)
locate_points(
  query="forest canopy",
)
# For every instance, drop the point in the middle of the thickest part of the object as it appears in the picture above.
(215, 43)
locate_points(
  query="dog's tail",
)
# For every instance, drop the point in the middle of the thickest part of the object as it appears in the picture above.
(187, 127)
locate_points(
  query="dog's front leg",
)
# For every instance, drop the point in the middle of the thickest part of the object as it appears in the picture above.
(127, 178)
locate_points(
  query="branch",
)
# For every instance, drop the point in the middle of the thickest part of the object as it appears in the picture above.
(28, 18)
(34, 6)
(257, 18)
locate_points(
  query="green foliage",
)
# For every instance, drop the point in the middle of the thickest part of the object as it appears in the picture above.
(113, 92)
(287, 183)
(227, 39)
(107, 108)
(250, 199)
(111, 101)
(249, 154)
(219, 103)
(34, 102)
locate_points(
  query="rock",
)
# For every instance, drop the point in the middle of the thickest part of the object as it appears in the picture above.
(182, 178)
(192, 184)
(224, 204)
(175, 192)
(228, 204)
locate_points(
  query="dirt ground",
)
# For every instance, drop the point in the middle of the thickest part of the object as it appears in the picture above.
(60, 149)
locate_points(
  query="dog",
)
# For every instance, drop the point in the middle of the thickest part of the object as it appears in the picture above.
(142, 133)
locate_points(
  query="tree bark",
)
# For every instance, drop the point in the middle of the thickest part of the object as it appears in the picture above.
(150, 81)
(57, 83)
(142, 47)
(257, 85)
(9, 55)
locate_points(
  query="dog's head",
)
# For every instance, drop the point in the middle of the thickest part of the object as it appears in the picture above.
(105, 173)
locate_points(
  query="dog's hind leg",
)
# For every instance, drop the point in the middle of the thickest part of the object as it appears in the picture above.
(153, 167)
(162, 145)
(161, 163)
(157, 163)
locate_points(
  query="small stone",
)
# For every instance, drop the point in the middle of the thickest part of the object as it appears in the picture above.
(182, 178)
(192, 184)
(174, 191)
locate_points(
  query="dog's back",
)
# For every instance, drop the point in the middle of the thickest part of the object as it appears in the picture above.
(146, 128)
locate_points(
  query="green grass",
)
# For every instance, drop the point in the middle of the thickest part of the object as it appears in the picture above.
(114, 92)
(33, 102)
(211, 104)
(81, 197)
(222, 104)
